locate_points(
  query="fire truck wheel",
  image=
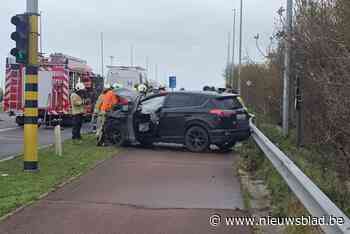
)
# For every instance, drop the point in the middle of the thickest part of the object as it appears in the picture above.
(20, 121)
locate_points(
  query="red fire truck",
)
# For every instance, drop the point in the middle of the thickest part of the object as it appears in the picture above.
(58, 75)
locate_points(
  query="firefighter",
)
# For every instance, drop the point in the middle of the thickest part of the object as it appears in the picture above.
(77, 103)
(109, 99)
(99, 115)
(142, 89)
(136, 86)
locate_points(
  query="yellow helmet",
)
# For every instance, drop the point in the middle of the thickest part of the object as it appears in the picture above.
(80, 86)
(142, 88)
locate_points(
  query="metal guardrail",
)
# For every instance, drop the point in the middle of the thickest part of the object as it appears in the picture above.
(314, 200)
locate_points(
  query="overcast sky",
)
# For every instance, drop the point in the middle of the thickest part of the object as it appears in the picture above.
(186, 38)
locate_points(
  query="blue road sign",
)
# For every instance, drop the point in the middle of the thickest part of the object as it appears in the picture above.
(172, 82)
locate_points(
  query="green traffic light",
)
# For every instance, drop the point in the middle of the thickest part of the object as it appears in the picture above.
(21, 57)
(21, 37)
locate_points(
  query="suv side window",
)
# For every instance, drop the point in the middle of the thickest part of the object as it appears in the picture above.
(227, 103)
(184, 100)
(153, 104)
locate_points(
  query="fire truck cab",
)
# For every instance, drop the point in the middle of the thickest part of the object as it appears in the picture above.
(58, 76)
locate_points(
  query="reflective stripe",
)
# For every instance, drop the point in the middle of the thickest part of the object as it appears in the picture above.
(31, 112)
(31, 87)
(31, 70)
(31, 96)
(31, 166)
(30, 120)
(32, 79)
(31, 104)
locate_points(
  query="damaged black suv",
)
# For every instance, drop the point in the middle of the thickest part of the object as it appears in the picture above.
(195, 119)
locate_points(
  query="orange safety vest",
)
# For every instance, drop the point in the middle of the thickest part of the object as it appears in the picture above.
(108, 101)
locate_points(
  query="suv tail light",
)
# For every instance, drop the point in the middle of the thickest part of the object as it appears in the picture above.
(222, 113)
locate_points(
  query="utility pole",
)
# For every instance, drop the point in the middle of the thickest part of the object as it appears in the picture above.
(147, 63)
(156, 72)
(102, 57)
(31, 163)
(132, 55)
(299, 109)
(286, 78)
(112, 59)
(240, 49)
(228, 71)
(233, 47)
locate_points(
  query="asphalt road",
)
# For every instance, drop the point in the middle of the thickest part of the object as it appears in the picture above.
(159, 191)
(11, 141)
(11, 136)
(6, 121)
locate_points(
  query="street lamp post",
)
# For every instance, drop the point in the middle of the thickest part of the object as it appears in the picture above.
(240, 49)
(102, 56)
(233, 47)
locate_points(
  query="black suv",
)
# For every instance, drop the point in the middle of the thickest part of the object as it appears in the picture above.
(195, 119)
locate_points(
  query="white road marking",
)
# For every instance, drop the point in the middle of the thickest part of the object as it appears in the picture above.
(13, 156)
(8, 129)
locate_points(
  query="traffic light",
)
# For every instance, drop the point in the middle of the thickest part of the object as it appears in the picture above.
(21, 37)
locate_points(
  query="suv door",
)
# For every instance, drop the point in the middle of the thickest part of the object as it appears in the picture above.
(177, 109)
(146, 119)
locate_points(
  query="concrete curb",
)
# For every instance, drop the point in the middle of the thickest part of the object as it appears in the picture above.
(13, 156)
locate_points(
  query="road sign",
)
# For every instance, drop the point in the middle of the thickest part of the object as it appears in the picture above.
(172, 82)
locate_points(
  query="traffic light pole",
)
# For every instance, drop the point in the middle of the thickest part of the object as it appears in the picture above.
(31, 92)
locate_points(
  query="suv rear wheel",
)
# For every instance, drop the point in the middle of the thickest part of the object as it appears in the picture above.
(196, 139)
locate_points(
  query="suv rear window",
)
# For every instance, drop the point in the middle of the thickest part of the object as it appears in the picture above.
(184, 100)
(227, 103)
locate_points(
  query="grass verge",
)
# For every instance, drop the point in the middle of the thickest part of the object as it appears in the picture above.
(18, 188)
(284, 202)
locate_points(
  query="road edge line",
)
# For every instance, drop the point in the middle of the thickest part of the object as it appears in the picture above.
(13, 156)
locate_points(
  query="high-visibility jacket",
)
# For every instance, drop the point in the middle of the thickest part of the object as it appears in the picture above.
(108, 101)
(98, 104)
(77, 104)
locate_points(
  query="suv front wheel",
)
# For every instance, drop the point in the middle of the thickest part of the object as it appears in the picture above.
(196, 139)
